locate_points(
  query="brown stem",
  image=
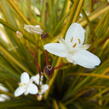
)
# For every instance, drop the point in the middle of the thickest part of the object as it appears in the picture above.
(46, 58)
(61, 65)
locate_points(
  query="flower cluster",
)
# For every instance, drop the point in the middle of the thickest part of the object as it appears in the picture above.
(33, 85)
(72, 48)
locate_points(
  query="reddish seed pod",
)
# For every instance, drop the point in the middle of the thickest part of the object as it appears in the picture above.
(44, 35)
(49, 70)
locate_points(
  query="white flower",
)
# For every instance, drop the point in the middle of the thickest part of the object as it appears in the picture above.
(26, 86)
(44, 88)
(3, 97)
(73, 48)
(37, 79)
(33, 29)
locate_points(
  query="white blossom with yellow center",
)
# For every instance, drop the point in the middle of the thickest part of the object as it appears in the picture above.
(73, 48)
(30, 85)
(26, 86)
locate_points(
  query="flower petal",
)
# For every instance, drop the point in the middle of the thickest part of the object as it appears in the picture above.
(75, 31)
(32, 89)
(37, 78)
(19, 91)
(3, 88)
(44, 88)
(84, 58)
(56, 49)
(3, 97)
(24, 77)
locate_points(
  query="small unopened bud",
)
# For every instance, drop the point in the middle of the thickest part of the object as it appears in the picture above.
(33, 29)
(49, 70)
(44, 35)
(39, 97)
(81, 15)
(36, 10)
(19, 34)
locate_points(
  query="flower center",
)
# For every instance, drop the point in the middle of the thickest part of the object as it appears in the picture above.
(74, 45)
(76, 42)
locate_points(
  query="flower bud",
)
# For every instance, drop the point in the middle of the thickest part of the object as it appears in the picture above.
(19, 34)
(49, 70)
(44, 35)
(35, 29)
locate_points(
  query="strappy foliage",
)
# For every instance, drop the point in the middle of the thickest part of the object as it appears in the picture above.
(71, 86)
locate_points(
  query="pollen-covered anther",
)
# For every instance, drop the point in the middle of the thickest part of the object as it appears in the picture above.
(79, 41)
(74, 45)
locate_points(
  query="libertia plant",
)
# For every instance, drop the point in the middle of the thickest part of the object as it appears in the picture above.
(55, 54)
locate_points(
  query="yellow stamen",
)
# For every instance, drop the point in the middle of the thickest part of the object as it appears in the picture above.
(74, 45)
(79, 41)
